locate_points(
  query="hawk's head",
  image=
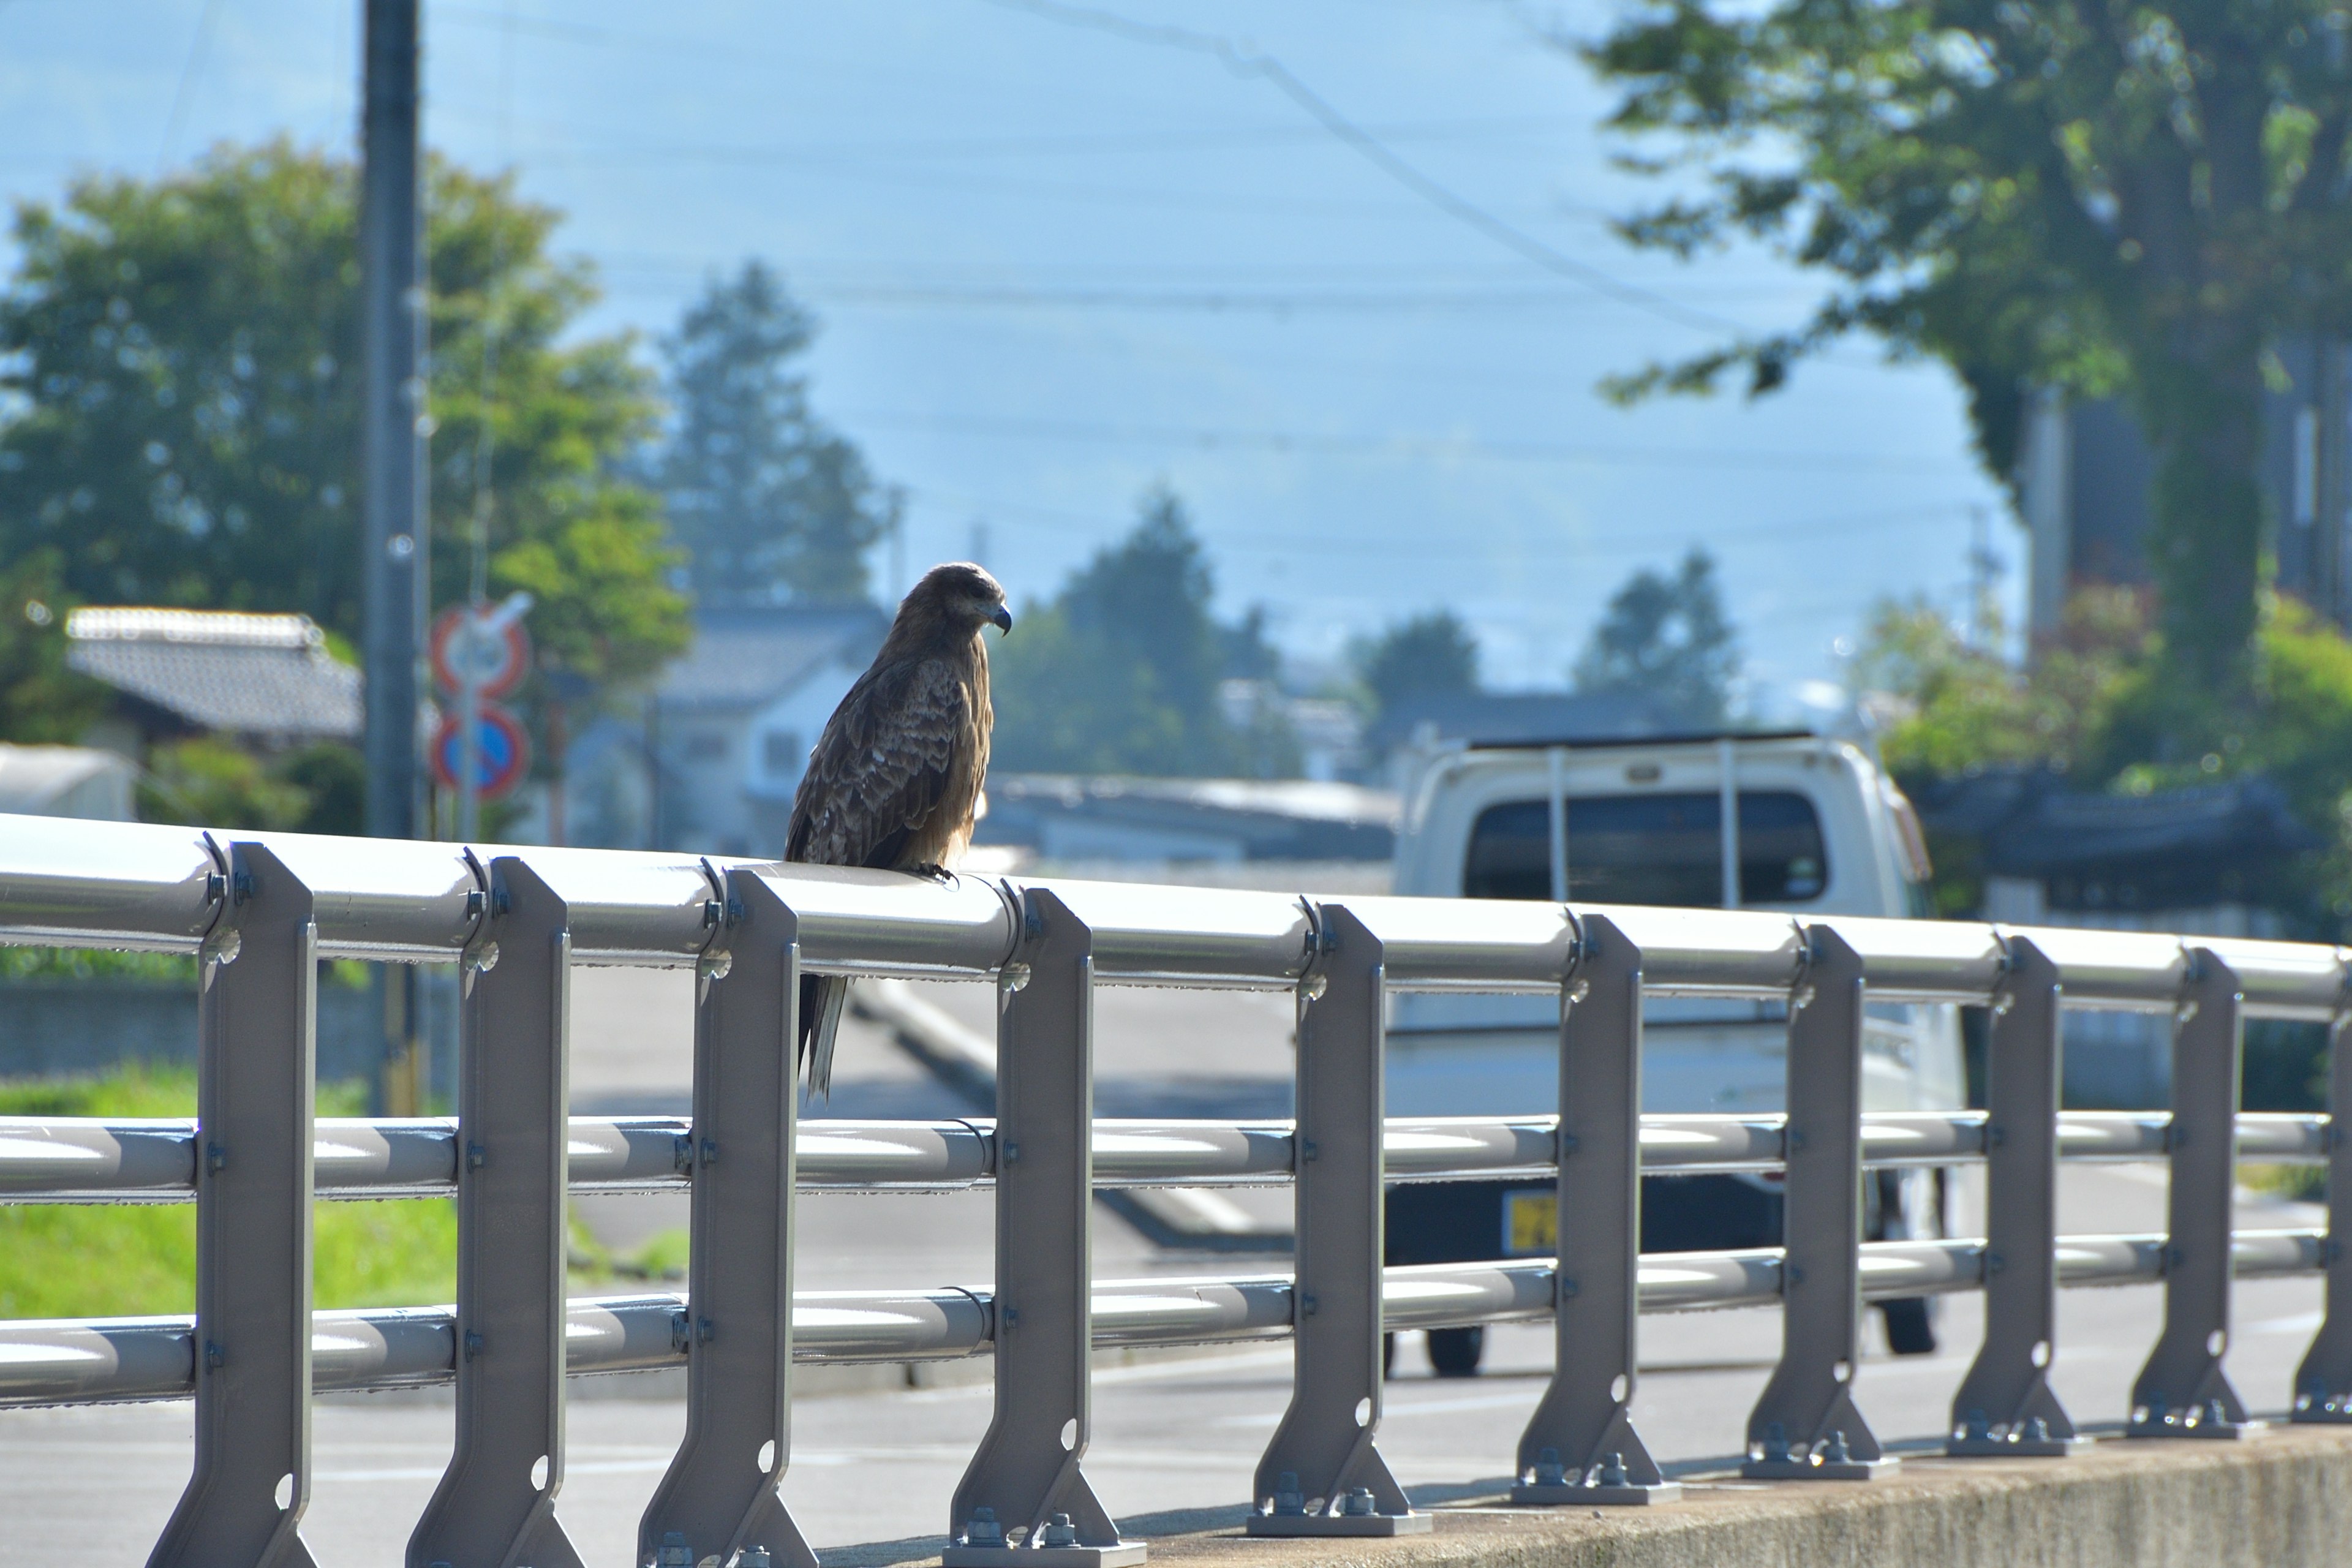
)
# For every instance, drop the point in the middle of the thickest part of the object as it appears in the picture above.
(957, 597)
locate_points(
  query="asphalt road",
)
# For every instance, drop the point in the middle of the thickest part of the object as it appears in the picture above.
(872, 1473)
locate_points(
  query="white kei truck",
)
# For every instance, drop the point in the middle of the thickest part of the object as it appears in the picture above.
(1792, 822)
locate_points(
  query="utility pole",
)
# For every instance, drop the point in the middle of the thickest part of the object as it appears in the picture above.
(393, 541)
(1984, 574)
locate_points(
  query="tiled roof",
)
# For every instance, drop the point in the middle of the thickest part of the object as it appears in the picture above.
(243, 674)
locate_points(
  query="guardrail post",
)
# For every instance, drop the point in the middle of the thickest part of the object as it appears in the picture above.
(2323, 1383)
(2005, 1408)
(1024, 1483)
(720, 1497)
(2182, 1391)
(1806, 1426)
(1581, 1446)
(255, 1066)
(496, 1503)
(1322, 1474)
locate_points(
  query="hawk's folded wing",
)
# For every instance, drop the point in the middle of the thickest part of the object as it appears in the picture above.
(881, 767)
(877, 773)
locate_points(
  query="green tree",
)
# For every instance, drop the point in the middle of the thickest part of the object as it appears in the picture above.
(1435, 654)
(1120, 672)
(768, 502)
(1946, 706)
(41, 700)
(2138, 199)
(1666, 637)
(179, 363)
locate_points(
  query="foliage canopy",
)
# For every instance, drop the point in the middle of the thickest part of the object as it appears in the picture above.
(1433, 654)
(179, 405)
(1666, 637)
(1120, 672)
(2137, 198)
(768, 503)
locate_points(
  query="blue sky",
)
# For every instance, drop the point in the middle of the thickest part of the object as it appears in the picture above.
(1057, 263)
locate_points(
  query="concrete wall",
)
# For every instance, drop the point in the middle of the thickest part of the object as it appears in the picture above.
(2284, 1500)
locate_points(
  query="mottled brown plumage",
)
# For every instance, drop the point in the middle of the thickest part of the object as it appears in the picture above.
(893, 781)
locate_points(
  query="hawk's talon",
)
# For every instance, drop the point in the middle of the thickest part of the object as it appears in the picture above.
(931, 871)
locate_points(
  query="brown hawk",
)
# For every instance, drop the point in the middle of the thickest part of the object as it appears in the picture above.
(893, 781)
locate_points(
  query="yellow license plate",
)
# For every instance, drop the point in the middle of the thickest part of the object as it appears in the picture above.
(1530, 1222)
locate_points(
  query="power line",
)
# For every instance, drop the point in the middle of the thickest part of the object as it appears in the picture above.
(1260, 543)
(1213, 302)
(1265, 67)
(965, 149)
(1322, 444)
(190, 72)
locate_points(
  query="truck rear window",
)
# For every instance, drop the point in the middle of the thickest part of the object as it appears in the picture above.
(1651, 849)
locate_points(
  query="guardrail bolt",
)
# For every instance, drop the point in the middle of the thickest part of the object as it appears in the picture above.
(1549, 1471)
(1357, 1504)
(1776, 1443)
(754, 1557)
(2215, 1414)
(2035, 1430)
(983, 1529)
(1979, 1426)
(1834, 1451)
(214, 1355)
(1289, 1502)
(2158, 1415)
(1613, 1474)
(675, 1552)
(1060, 1532)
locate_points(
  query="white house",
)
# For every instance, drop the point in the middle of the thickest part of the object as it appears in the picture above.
(731, 725)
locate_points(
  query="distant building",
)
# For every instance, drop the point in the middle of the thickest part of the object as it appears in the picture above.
(67, 781)
(2195, 861)
(2085, 470)
(729, 728)
(1056, 817)
(1329, 734)
(175, 673)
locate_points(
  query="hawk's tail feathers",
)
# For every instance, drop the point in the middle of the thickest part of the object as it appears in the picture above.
(822, 997)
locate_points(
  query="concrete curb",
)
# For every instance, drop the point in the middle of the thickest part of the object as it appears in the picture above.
(2284, 1500)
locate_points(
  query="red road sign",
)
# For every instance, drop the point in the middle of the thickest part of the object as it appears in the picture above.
(501, 753)
(492, 648)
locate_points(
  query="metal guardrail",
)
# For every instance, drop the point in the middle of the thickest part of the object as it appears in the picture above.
(261, 910)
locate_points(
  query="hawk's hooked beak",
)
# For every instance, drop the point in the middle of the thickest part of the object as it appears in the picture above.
(1003, 619)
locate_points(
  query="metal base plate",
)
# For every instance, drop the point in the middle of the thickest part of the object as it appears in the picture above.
(2205, 1431)
(1337, 1524)
(2023, 1448)
(1599, 1497)
(1806, 1470)
(1124, 1555)
(2336, 1411)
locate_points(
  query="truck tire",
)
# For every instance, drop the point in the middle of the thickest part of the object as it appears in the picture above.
(1455, 1353)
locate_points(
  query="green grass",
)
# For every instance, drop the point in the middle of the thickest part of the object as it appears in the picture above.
(2304, 1183)
(68, 1260)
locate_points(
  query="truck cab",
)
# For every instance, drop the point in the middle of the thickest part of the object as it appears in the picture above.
(1799, 823)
